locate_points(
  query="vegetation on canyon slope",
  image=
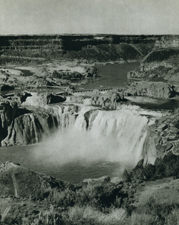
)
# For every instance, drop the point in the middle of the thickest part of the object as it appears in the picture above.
(101, 201)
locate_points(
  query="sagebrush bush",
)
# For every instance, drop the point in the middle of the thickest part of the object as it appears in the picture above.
(89, 215)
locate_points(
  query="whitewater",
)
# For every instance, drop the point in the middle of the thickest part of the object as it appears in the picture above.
(94, 135)
(88, 135)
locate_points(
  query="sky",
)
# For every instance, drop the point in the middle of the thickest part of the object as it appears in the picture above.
(89, 17)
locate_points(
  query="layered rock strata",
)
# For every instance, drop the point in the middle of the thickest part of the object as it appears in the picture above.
(23, 126)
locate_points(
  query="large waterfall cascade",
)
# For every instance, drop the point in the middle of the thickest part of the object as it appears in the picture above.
(89, 134)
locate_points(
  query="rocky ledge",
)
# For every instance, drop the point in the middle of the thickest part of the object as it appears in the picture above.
(107, 100)
(151, 89)
(19, 125)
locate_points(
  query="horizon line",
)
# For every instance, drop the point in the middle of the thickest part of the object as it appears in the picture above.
(86, 34)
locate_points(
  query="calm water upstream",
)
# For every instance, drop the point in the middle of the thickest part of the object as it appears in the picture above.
(111, 75)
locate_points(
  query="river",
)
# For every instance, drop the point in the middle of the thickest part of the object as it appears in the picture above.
(73, 172)
(111, 75)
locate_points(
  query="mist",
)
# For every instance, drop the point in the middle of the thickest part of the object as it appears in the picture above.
(72, 146)
(114, 136)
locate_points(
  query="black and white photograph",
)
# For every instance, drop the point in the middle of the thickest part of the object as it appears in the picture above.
(89, 112)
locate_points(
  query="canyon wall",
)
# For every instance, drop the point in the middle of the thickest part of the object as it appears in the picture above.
(22, 126)
(84, 47)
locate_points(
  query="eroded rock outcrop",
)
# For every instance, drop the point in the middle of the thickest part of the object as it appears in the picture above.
(8, 112)
(42, 99)
(166, 134)
(22, 126)
(107, 101)
(29, 128)
(151, 89)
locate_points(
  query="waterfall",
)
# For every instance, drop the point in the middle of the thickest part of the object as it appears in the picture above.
(124, 130)
(89, 134)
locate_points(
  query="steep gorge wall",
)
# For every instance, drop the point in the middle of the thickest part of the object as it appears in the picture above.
(72, 42)
(89, 47)
(22, 126)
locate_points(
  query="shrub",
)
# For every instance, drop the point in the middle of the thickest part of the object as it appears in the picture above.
(140, 219)
(88, 215)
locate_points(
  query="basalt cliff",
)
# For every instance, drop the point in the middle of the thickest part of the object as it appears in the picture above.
(23, 126)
